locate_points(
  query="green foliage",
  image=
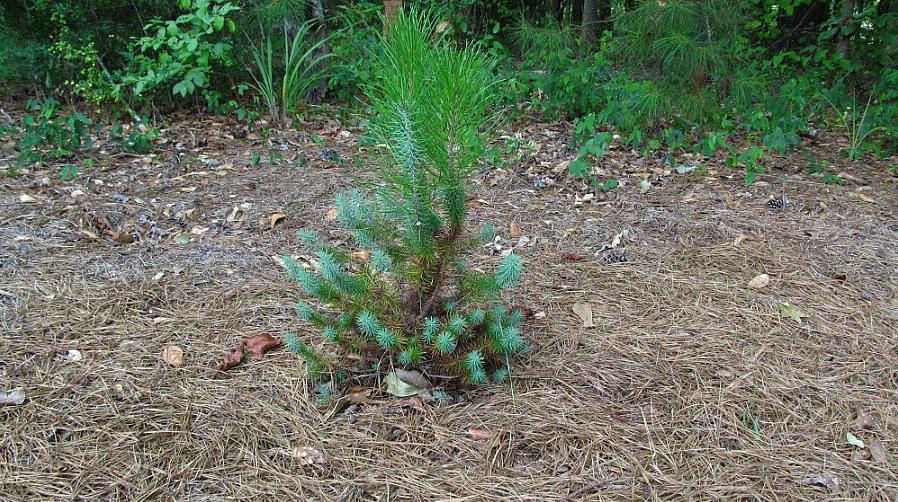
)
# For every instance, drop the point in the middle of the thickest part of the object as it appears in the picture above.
(183, 53)
(302, 67)
(49, 134)
(857, 126)
(140, 138)
(561, 81)
(691, 52)
(351, 66)
(413, 301)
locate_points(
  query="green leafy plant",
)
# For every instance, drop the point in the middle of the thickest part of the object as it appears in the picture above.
(350, 68)
(302, 69)
(408, 298)
(49, 134)
(856, 125)
(822, 168)
(183, 52)
(581, 167)
(140, 138)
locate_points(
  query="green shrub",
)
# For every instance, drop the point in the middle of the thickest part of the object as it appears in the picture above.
(350, 68)
(182, 54)
(561, 81)
(409, 297)
(48, 134)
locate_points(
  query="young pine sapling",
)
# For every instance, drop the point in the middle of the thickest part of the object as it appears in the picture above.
(408, 298)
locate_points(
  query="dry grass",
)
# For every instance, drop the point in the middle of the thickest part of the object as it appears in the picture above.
(655, 403)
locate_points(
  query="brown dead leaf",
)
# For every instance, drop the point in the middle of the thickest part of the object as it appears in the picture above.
(258, 345)
(480, 434)
(362, 255)
(232, 358)
(584, 311)
(331, 215)
(274, 219)
(528, 312)
(123, 237)
(878, 452)
(414, 402)
(413, 378)
(860, 456)
(514, 230)
(359, 394)
(572, 257)
(173, 355)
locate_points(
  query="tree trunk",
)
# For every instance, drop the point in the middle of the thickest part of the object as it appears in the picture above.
(847, 11)
(588, 29)
(577, 12)
(317, 93)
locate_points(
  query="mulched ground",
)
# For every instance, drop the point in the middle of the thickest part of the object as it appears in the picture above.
(690, 386)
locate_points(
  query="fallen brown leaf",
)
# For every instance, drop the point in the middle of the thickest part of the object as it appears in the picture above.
(258, 345)
(232, 357)
(359, 394)
(275, 218)
(572, 257)
(363, 256)
(123, 237)
(413, 402)
(331, 214)
(173, 355)
(413, 378)
(514, 230)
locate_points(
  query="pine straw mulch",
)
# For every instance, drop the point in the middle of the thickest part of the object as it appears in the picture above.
(690, 386)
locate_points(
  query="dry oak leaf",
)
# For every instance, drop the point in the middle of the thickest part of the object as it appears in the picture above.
(232, 357)
(123, 237)
(258, 345)
(173, 355)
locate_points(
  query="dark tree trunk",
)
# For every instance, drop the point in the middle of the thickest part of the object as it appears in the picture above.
(588, 28)
(317, 93)
(847, 12)
(577, 12)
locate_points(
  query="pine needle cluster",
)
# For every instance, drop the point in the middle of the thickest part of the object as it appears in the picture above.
(409, 297)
